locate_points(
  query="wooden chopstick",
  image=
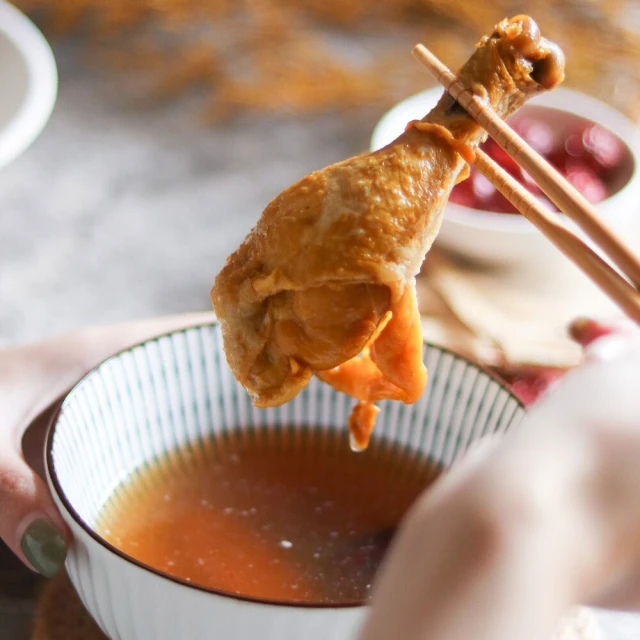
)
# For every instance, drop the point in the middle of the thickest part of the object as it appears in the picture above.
(601, 273)
(560, 191)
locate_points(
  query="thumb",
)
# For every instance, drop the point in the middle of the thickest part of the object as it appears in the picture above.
(29, 521)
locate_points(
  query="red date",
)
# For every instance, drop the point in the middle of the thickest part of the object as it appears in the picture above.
(589, 157)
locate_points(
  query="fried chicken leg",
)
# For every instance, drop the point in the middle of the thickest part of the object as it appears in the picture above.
(325, 282)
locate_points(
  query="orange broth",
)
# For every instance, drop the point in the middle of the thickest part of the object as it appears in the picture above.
(287, 515)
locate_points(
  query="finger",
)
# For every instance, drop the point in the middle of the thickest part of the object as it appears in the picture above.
(479, 450)
(611, 372)
(29, 522)
(623, 592)
(611, 346)
(34, 436)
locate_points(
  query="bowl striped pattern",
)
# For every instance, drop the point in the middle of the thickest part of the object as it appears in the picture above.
(177, 390)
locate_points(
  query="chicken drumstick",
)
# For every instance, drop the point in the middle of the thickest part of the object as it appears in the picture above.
(325, 282)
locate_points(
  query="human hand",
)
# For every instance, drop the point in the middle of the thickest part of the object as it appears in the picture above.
(526, 527)
(32, 377)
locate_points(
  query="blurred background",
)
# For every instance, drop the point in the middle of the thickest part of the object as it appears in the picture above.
(176, 121)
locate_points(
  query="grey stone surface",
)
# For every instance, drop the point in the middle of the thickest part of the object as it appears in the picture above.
(119, 212)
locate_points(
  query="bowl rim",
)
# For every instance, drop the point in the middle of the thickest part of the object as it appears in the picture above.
(572, 102)
(29, 120)
(55, 485)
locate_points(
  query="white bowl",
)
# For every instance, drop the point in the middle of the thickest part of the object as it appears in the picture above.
(496, 239)
(29, 82)
(178, 388)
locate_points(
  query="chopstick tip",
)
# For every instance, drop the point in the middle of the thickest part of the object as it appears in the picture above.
(417, 49)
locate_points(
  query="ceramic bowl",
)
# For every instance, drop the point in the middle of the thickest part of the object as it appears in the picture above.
(29, 82)
(502, 240)
(178, 388)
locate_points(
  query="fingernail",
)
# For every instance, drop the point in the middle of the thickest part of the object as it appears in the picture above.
(44, 547)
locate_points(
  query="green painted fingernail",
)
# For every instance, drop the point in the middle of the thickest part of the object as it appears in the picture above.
(44, 547)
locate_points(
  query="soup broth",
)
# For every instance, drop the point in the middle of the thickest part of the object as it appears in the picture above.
(290, 514)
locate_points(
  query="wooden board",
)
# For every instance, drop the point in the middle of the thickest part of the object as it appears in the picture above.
(61, 616)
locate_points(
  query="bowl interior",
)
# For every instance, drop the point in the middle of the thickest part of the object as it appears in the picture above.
(178, 389)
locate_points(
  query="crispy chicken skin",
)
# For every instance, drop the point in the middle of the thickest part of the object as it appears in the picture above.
(325, 282)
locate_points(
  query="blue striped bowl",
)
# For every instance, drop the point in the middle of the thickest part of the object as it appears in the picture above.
(177, 388)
